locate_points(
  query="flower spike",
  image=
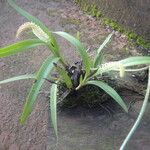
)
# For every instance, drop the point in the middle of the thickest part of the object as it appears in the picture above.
(35, 29)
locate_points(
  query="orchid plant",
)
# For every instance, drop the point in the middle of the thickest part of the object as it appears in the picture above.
(73, 77)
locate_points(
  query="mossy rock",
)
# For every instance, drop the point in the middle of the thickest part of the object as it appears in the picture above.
(94, 9)
(87, 96)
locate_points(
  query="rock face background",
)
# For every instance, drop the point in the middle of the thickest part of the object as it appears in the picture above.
(80, 128)
(132, 14)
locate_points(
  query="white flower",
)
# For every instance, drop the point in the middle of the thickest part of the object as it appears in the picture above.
(122, 70)
(35, 29)
(112, 66)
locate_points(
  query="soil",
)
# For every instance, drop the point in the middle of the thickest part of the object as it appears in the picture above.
(80, 128)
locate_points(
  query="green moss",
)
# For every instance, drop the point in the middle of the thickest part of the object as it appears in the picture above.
(141, 41)
(95, 12)
(67, 30)
(131, 35)
(91, 10)
(113, 24)
(86, 7)
(52, 12)
(88, 96)
(70, 21)
(78, 35)
(99, 14)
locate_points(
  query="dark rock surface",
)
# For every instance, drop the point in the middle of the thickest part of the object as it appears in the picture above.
(79, 128)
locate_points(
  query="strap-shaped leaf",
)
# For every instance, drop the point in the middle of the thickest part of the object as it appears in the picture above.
(19, 47)
(110, 91)
(80, 48)
(42, 73)
(140, 116)
(33, 19)
(98, 58)
(53, 106)
(21, 77)
(62, 72)
(137, 60)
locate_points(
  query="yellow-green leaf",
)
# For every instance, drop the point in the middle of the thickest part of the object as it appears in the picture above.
(19, 47)
(65, 76)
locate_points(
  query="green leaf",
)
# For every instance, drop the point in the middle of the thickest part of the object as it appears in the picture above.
(33, 19)
(98, 58)
(140, 116)
(138, 60)
(104, 43)
(81, 79)
(19, 47)
(80, 48)
(43, 73)
(53, 106)
(65, 76)
(21, 77)
(109, 90)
